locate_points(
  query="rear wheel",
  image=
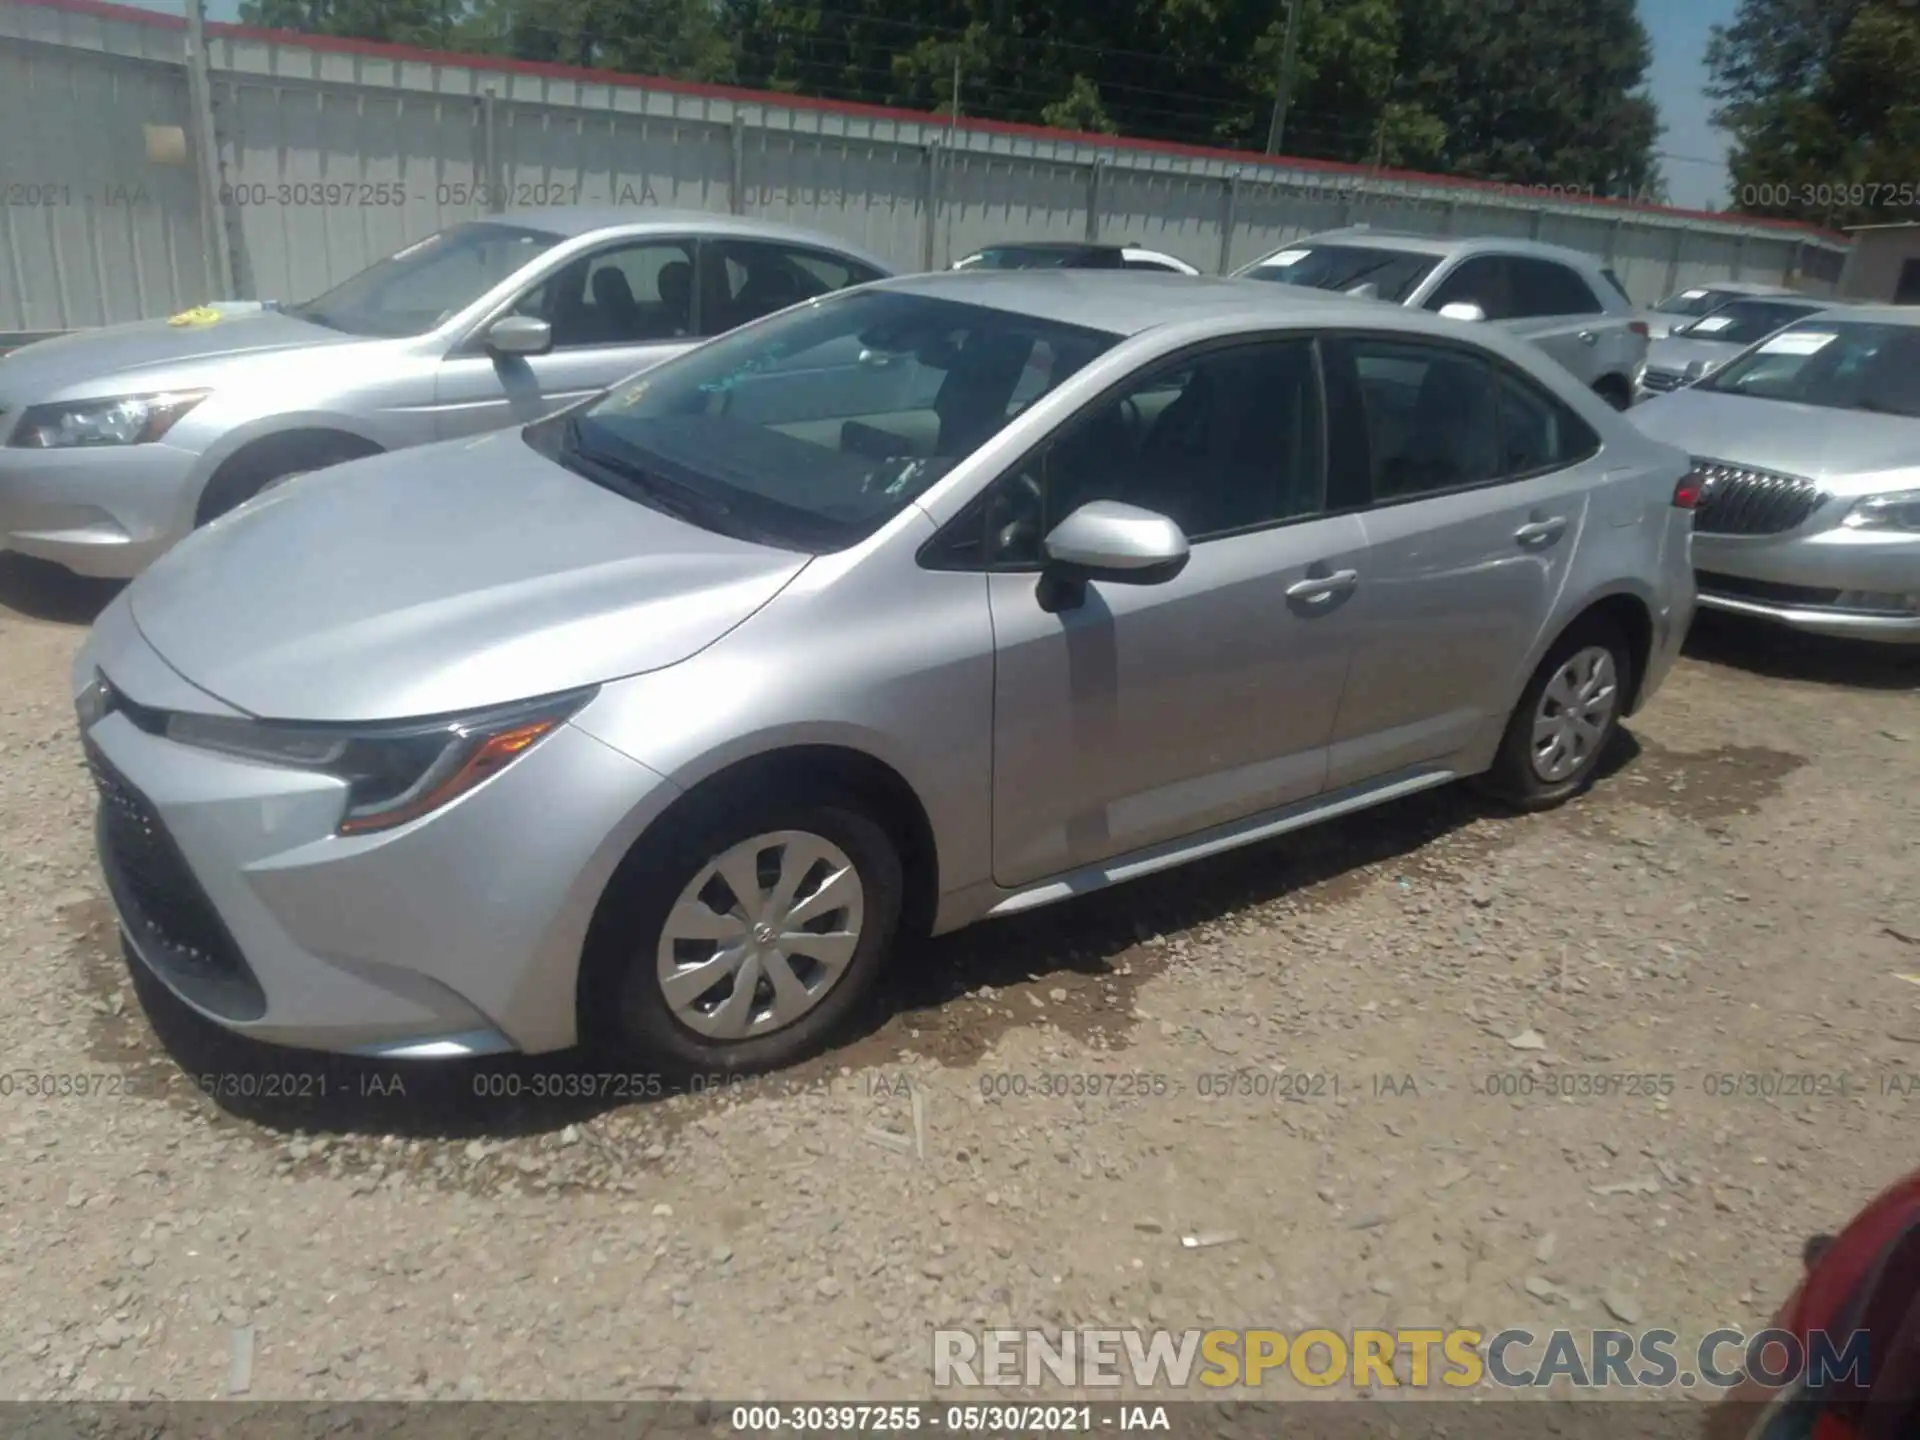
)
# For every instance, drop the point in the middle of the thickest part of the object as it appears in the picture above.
(748, 938)
(1565, 720)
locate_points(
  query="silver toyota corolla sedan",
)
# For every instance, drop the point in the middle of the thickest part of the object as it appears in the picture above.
(1808, 447)
(119, 441)
(658, 722)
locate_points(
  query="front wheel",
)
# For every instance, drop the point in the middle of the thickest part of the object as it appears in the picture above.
(749, 939)
(1566, 719)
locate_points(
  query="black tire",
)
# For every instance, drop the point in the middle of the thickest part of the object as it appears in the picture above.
(1615, 391)
(252, 470)
(1513, 777)
(625, 1015)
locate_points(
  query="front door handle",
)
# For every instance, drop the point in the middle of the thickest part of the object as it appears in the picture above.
(1318, 590)
(1589, 337)
(1541, 532)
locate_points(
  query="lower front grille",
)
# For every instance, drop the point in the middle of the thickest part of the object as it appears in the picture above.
(1802, 597)
(1739, 500)
(174, 926)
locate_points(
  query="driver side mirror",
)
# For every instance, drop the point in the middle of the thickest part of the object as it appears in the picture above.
(519, 335)
(1107, 540)
(1464, 310)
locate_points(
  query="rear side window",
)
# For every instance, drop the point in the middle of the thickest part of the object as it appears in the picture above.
(1545, 287)
(1437, 418)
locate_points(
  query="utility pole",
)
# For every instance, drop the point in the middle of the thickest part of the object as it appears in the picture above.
(953, 114)
(213, 216)
(1283, 82)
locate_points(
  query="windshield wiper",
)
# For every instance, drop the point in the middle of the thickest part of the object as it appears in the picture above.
(647, 486)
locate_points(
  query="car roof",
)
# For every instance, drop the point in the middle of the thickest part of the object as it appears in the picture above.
(1444, 245)
(1127, 302)
(573, 221)
(1750, 288)
(1874, 314)
(1076, 246)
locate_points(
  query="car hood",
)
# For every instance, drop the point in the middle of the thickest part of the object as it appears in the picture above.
(46, 368)
(439, 579)
(1676, 352)
(1848, 451)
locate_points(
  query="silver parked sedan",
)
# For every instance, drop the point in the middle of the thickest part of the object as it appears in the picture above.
(119, 441)
(1808, 447)
(659, 721)
(1699, 347)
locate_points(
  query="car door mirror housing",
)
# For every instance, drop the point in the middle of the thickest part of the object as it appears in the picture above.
(1107, 540)
(519, 335)
(1464, 310)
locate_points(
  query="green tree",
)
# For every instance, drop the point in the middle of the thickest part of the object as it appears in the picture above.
(1822, 99)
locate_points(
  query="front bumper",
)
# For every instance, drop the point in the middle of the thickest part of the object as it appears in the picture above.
(459, 934)
(1835, 582)
(107, 510)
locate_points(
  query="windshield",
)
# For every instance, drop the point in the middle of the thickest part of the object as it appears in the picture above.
(429, 282)
(1039, 257)
(1844, 365)
(814, 428)
(1744, 321)
(1394, 274)
(1692, 302)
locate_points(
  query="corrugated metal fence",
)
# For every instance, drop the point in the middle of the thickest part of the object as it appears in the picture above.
(331, 154)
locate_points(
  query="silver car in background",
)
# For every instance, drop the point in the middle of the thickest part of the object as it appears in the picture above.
(1699, 347)
(1560, 299)
(1808, 456)
(119, 441)
(1697, 300)
(658, 722)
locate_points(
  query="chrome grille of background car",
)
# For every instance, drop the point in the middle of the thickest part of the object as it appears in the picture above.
(1662, 380)
(1739, 500)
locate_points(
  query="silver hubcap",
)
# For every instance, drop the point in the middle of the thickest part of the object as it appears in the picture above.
(1575, 710)
(761, 935)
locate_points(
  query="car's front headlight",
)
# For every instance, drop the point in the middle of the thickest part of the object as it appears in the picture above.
(394, 773)
(117, 420)
(1897, 511)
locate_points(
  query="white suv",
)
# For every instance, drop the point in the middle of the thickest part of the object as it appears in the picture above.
(1562, 300)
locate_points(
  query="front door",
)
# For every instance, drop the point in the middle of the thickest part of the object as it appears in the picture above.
(614, 312)
(1151, 712)
(1479, 481)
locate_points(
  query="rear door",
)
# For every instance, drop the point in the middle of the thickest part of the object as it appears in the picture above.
(614, 311)
(1477, 479)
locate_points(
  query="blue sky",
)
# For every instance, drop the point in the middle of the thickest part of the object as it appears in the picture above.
(1694, 153)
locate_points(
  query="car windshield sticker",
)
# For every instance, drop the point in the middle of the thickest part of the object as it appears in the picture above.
(1285, 257)
(1798, 342)
(1711, 324)
(1691, 294)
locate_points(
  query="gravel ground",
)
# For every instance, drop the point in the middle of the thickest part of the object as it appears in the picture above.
(1330, 1054)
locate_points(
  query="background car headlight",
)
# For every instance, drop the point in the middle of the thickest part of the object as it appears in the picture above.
(394, 773)
(1898, 511)
(120, 420)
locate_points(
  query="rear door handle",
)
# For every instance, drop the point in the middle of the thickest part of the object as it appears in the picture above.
(1541, 532)
(1319, 589)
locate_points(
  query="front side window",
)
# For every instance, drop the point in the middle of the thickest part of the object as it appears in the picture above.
(631, 294)
(1483, 280)
(1392, 274)
(815, 428)
(1220, 443)
(1834, 364)
(428, 283)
